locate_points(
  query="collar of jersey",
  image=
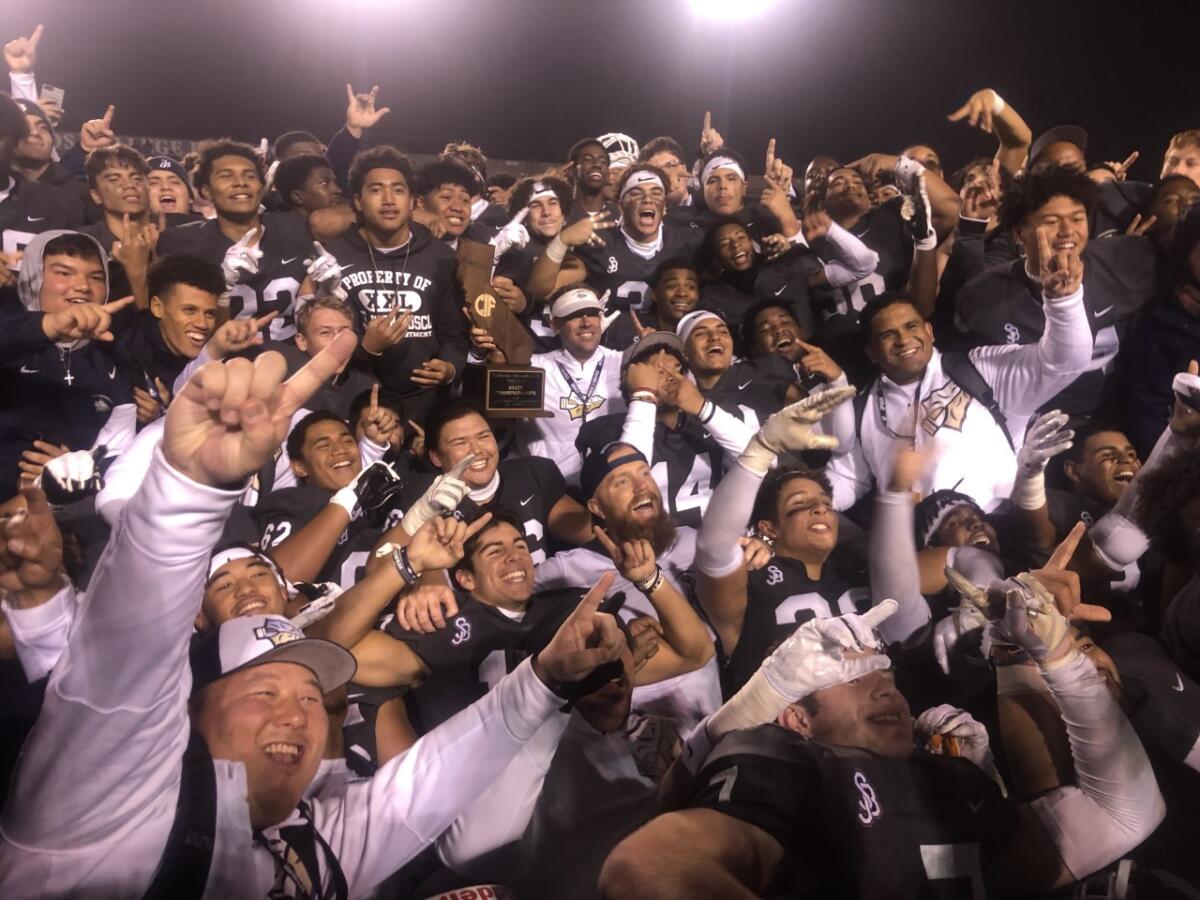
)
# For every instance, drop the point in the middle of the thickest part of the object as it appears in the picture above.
(488, 491)
(645, 251)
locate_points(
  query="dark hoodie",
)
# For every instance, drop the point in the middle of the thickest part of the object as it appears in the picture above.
(419, 277)
(61, 393)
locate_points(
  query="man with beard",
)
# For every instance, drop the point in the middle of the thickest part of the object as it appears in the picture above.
(1000, 305)
(683, 435)
(264, 256)
(840, 793)
(462, 446)
(622, 262)
(401, 283)
(623, 497)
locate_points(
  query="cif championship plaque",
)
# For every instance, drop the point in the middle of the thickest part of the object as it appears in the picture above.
(514, 389)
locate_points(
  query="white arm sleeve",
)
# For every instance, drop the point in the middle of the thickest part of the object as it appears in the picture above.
(1024, 377)
(1116, 803)
(717, 550)
(385, 821)
(1117, 538)
(190, 369)
(638, 431)
(730, 432)
(501, 813)
(119, 432)
(850, 259)
(125, 475)
(105, 753)
(23, 86)
(838, 422)
(893, 567)
(977, 566)
(40, 632)
(850, 475)
(370, 452)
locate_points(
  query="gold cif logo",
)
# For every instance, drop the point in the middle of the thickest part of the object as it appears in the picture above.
(484, 305)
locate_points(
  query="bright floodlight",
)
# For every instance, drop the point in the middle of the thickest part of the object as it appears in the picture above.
(730, 10)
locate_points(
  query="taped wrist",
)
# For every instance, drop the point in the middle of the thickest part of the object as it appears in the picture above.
(1029, 491)
(755, 704)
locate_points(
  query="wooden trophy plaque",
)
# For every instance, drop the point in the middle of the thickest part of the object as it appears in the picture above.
(515, 390)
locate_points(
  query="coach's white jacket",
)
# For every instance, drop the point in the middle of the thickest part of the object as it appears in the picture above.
(969, 451)
(94, 793)
(554, 437)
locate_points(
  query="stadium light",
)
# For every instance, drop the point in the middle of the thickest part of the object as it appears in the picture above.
(729, 10)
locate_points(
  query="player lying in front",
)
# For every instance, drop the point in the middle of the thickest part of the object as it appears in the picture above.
(838, 794)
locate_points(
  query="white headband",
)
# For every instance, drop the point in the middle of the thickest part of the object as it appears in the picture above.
(645, 176)
(540, 190)
(225, 557)
(721, 162)
(689, 322)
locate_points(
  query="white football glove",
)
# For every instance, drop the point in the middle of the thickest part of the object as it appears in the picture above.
(325, 272)
(948, 731)
(791, 429)
(72, 476)
(607, 318)
(1048, 437)
(947, 632)
(514, 234)
(241, 260)
(440, 498)
(812, 658)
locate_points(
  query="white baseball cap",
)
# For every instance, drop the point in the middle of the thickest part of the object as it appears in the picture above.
(575, 300)
(256, 640)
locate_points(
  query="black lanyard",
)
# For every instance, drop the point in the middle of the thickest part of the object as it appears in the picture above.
(340, 890)
(574, 388)
(881, 404)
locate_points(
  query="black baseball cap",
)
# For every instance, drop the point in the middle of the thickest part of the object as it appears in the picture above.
(1070, 134)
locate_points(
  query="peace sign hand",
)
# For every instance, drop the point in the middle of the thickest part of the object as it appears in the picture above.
(1061, 271)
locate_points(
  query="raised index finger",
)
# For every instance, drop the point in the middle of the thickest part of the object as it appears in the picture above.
(302, 385)
(520, 216)
(35, 37)
(117, 305)
(1044, 246)
(375, 396)
(108, 116)
(770, 154)
(461, 466)
(1129, 160)
(477, 526)
(707, 120)
(1063, 552)
(591, 602)
(606, 542)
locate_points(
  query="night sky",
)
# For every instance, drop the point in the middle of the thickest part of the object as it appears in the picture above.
(526, 78)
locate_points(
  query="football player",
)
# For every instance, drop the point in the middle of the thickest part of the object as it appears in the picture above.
(307, 183)
(117, 180)
(265, 256)
(892, 815)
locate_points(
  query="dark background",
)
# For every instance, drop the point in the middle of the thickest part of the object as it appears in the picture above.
(526, 78)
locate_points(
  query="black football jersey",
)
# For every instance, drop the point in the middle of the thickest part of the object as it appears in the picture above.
(529, 488)
(476, 649)
(755, 389)
(615, 268)
(282, 513)
(687, 462)
(884, 230)
(1003, 305)
(853, 824)
(31, 208)
(285, 244)
(780, 598)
